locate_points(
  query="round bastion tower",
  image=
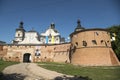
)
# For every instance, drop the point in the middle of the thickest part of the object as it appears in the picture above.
(91, 47)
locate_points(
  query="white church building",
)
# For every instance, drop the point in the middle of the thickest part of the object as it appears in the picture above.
(50, 36)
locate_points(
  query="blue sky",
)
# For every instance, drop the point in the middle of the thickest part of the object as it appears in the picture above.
(39, 14)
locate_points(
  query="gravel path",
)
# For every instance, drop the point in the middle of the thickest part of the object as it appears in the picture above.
(28, 71)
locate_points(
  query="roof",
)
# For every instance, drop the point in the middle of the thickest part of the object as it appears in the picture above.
(36, 44)
(93, 29)
(32, 31)
(2, 42)
(20, 29)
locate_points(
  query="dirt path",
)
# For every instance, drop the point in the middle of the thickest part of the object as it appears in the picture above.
(29, 71)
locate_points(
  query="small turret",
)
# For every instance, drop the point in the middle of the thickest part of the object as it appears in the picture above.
(79, 27)
(21, 25)
(52, 26)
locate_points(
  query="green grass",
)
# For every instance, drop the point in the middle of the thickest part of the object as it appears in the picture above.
(4, 64)
(95, 73)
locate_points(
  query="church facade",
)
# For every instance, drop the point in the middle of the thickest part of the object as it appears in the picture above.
(88, 47)
(30, 46)
(50, 36)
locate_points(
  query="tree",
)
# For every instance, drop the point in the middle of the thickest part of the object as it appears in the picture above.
(116, 43)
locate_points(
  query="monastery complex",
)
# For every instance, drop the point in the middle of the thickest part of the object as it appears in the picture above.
(88, 47)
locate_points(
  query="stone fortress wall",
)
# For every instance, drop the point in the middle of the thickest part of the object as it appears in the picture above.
(92, 48)
(88, 47)
(46, 53)
(3, 52)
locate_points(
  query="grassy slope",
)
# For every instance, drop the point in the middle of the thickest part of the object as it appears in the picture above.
(96, 73)
(4, 64)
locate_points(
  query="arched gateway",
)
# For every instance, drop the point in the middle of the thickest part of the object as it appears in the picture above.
(27, 57)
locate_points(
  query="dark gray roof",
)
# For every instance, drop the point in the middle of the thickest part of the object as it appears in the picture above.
(32, 31)
(56, 31)
(2, 42)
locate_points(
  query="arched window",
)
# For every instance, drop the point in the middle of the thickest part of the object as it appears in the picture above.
(102, 41)
(108, 41)
(84, 43)
(18, 34)
(76, 43)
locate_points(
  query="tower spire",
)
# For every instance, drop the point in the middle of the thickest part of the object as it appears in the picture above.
(79, 23)
(52, 26)
(79, 27)
(21, 24)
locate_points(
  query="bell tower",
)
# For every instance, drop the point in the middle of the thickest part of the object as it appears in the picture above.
(19, 34)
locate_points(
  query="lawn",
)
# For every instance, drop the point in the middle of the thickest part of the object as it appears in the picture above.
(95, 73)
(4, 64)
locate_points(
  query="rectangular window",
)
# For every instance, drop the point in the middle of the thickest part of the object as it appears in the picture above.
(94, 42)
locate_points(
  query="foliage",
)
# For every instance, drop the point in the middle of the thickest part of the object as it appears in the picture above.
(116, 43)
(95, 73)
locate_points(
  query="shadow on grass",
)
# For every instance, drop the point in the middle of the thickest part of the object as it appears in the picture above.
(13, 76)
(72, 78)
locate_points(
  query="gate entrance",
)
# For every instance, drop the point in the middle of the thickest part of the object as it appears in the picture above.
(27, 57)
